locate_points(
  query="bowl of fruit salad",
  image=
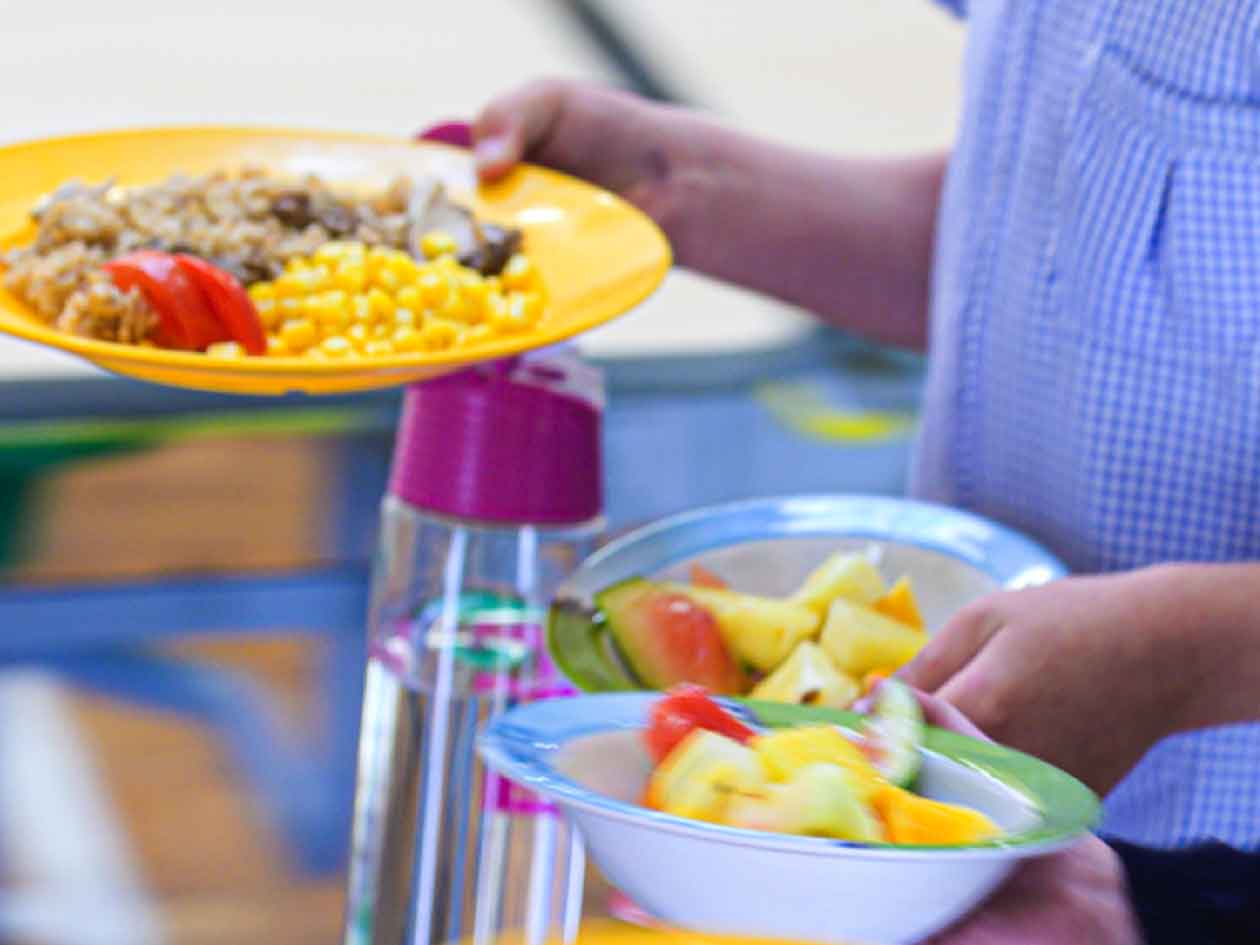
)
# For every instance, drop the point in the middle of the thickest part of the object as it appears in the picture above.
(806, 600)
(787, 821)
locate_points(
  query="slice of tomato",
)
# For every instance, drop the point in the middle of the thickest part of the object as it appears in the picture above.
(229, 301)
(185, 319)
(684, 709)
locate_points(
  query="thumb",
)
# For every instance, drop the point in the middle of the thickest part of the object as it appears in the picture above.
(940, 713)
(951, 648)
(514, 125)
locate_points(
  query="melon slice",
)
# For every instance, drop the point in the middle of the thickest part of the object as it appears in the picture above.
(761, 632)
(667, 637)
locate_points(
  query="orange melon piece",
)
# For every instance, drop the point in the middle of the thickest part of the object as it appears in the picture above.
(900, 604)
(703, 577)
(874, 678)
(911, 819)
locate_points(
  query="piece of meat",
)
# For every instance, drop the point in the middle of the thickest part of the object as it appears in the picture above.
(337, 219)
(497, 246)
(293, 208)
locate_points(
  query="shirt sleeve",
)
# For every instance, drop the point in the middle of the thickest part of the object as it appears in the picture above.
(1208, 893)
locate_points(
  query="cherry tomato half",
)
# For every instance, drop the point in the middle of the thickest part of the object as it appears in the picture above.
(682, 710)
(185, 319)
(229, 301)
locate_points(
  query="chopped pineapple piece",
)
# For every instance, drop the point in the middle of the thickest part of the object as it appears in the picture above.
(701, 774)
(821, 800)
(846, 575)
(759, 631)
(785, 752)
(808, 677)
(900, 604)
(860, 640)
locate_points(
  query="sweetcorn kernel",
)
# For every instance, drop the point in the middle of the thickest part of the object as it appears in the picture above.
(339, 251)
(496, 309)
(359, 335)
(438, 335)
(387, 279)
(409, 297)
(262, 292)
(269, 312)
(376, 348)
(382, 303)
(402, 266)
(361, 310)
(518, 273)
(289, 286)
(507, 315)
(436, 243)
(477, 334)
(225, 349)
(276, 347)
(457, 308)
(351, 277)
(298, 333)
(473, 288)
(405, 318)
(531, 306)
(407, 339)
(336, 346)
(433, 286)
(377, 257)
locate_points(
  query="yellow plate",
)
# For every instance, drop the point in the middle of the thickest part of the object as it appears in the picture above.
(598, 255)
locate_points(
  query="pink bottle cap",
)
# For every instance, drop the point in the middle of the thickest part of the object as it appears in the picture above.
(457, 133)
(514, 442)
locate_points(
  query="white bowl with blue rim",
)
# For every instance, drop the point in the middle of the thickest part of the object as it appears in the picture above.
(768, 546)
(585, 755)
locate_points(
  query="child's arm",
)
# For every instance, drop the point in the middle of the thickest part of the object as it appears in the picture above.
(848, 239)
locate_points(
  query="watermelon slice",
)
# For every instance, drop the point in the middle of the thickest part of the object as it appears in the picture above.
(667, 638)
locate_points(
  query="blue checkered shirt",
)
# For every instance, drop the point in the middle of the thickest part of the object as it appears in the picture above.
(1096, 321)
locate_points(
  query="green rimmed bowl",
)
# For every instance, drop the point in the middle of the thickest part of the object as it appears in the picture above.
(585, 755)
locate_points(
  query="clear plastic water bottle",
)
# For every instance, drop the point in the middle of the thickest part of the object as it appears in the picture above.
(494, 498)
